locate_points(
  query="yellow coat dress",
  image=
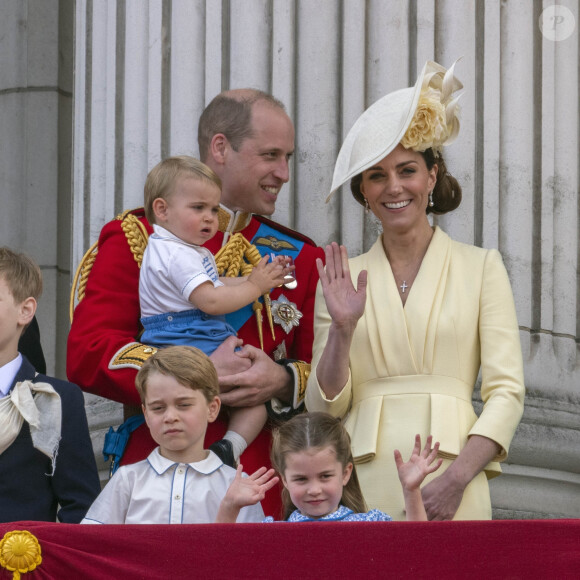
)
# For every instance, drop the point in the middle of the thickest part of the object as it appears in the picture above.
(413, 368)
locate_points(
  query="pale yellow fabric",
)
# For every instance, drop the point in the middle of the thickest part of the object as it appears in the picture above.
(413, 368)
(39, 405)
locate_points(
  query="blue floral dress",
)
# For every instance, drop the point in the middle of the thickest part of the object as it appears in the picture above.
(342, 514)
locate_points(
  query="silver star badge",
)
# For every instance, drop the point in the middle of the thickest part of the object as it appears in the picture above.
(285, 313)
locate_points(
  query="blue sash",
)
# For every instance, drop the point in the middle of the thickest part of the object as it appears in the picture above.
(268, 241)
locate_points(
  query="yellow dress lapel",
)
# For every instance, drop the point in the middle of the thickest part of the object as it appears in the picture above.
(425, 299)
(385, 318)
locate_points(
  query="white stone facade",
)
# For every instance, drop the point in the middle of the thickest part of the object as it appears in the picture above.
(145, 69)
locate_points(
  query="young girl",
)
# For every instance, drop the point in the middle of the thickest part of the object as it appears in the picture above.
(312, 454)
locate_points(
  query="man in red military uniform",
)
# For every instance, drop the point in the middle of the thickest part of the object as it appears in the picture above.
(247, 138)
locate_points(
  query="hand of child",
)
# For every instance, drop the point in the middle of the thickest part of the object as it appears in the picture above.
(289, 268)
(245, 491)
(270, 274)
(252, 489)
(420, 464)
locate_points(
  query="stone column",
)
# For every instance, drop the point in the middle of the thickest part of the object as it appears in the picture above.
(36, 84)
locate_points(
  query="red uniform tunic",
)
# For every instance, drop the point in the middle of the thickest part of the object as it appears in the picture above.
(106, 324)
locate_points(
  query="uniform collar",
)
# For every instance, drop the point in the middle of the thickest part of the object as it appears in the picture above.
(206, 466)
(231, 222)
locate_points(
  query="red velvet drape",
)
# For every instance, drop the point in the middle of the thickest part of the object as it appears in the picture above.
(527, 549)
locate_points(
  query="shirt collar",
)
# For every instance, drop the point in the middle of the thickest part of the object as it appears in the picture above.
(206, 466)
(341, 513)
(229, 222)
(160, 233)
(8, 373)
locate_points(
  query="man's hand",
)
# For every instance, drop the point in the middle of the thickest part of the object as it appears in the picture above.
(262, 381)
(227, 361)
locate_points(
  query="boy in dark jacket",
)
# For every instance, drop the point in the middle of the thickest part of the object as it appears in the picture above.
(47, 466)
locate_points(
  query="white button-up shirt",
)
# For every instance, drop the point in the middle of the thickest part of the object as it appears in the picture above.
(160, 491)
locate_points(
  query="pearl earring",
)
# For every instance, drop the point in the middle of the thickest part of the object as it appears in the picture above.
(367, 207)
(431, 202)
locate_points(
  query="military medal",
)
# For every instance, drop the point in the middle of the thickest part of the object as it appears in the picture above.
(285, 313)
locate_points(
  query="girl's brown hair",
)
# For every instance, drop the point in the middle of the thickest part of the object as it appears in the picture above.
(447, 191)
(316, 431)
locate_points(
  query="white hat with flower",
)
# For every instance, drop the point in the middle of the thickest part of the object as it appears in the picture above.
(420, 117)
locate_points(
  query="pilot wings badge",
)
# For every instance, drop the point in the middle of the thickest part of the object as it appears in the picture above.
(274, 243)
(285, 313)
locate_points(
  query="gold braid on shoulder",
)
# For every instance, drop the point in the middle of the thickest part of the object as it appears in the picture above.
(136, 234)
(79, 284)
(238, 258)
(137, 237)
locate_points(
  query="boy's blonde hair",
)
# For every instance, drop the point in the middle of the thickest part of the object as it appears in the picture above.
(316, 431)
(21, 274)
(160, 182)
(187, 365)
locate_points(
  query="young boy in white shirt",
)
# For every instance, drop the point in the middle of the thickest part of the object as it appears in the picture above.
(180, 482)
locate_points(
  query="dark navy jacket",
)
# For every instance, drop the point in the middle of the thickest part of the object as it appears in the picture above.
(26, 491)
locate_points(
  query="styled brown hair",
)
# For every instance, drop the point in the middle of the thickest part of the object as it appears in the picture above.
(160, 182)
(230, 113)
(187, 365)
(316, 431)
(21, 274)
(446, 193)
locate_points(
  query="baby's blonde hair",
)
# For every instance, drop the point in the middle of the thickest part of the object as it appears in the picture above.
(160, 182)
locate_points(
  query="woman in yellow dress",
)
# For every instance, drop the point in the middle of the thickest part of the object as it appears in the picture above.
(402, 331)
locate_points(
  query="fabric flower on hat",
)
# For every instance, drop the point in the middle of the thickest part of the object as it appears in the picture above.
(431, 127)
(428, 127)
